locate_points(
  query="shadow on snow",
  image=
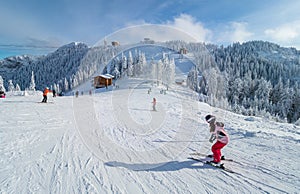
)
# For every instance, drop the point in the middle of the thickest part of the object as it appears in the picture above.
(164, 166)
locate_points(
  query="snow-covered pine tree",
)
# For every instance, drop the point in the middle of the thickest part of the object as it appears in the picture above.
(165, 66)
(74, 82)
(130, 64)
(152, 68)
(57, 88)
(2, 88)
(296, 104)
(11, 86)
(140, 62)
(104, 71)
(192, 79)
(143, 63)
(115, 67)
(159, 71)
(70, 84)
(124, 63)
(66, 85)
(171, 72)
(116, 73)
(32, 82)
(18, 89)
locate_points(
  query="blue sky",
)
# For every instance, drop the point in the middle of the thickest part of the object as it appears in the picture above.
(44, 23)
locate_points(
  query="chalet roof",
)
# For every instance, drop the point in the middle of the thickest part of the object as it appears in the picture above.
(107, 76)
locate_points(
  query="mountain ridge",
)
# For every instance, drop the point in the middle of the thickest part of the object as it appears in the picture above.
(248, 78)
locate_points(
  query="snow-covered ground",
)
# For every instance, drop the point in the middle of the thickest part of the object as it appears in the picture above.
(112, 142)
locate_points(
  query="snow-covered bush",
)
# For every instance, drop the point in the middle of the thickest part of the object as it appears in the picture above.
(2, 88)
(32, 82)
(297, 122)
(11, 86)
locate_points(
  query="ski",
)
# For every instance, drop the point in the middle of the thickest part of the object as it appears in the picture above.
(46, 102)
(210, 156)
(222, 167)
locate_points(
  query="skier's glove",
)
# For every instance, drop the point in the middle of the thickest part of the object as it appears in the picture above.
(212, 138)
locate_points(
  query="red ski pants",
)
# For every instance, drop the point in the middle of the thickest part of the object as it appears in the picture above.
(216, 150)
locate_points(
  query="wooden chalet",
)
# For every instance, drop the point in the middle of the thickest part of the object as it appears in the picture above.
(183, 51)
(115, 43)
(102, 81)
(179, 81)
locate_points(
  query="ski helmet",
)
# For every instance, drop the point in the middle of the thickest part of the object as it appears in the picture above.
(209, 118)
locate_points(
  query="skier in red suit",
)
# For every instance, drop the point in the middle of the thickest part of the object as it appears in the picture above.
(217, 133)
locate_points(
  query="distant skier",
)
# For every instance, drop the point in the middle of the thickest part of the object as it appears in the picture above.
(45, 92)
(54, 93)
(2, 94)
(154, 104)
(217, 133)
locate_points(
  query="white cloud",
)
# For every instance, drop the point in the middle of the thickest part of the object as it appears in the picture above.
(187, 28)
(240, 32)
(189, 25)
(233, 32)
(158, 33)
(184, 27)
(285, 33)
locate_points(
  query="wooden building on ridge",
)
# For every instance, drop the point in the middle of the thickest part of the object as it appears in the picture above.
(102, 81)
(183, 51)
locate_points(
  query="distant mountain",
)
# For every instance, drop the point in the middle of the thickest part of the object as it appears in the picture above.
(250, 78)
(57, 69)
(270, 51)
(53, 67)
(10, 65)
(67, 61)
(263, 59)
(257, 77)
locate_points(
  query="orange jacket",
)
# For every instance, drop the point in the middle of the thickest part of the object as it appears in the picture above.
(46, 91)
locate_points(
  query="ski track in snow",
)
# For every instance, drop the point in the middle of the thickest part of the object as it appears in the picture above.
(113, 143)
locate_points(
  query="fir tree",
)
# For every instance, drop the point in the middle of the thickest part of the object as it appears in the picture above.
(2, 88)
(18, 89)
(11, 86)
(32, 83)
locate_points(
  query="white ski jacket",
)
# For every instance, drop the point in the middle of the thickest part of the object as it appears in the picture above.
(220, 133)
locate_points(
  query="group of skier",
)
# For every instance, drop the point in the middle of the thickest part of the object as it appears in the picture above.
(215, 128)
(45, 94)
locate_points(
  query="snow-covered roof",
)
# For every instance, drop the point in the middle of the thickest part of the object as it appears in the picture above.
(107, 76)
